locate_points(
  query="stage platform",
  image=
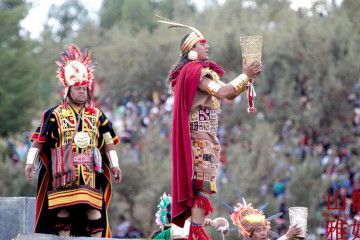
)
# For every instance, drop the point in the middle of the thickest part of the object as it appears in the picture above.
(37, 236)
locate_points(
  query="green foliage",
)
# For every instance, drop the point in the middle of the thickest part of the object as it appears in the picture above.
(139, 14)
(310, 60)
(11, 12)
(136, 13)
(110, 13)
(19, 71)
(12, 181)
(71, 15)
(308, 189)
(132, 63)
(139, 192)
(250, 164)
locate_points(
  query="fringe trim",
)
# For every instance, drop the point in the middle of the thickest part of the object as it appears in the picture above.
(62, 227)
(95, 230)
(198, 233)
(204, 203)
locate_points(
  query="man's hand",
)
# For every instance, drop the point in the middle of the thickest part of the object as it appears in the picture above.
(293, 231)
(208, 222)
(29, 171)
(117, 174)
(253, 70)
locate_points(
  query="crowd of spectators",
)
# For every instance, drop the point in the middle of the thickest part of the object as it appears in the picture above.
(132, 120)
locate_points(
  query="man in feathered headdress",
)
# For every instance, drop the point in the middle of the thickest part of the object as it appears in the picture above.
(76, 144)
(253, 225)
(198, 91)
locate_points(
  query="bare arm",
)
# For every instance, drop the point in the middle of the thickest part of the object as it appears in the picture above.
(219, 91)
(113, 158)
(234, 88)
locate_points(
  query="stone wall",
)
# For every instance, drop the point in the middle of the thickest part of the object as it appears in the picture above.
(17, 215)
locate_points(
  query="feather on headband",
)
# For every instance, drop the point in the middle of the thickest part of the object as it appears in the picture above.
(191, 40)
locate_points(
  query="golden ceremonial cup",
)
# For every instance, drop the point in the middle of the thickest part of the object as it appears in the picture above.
(298, 216)
(220, 225)
(251, 48)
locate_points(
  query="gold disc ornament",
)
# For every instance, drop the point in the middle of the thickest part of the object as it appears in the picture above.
(82, 139)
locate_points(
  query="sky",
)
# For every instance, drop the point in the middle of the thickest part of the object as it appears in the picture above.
(35, 20)
(37, 16)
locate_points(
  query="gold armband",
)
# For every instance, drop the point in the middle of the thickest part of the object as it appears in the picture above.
(113, 158)
(240, 83)
(215, 84)
(213, 87)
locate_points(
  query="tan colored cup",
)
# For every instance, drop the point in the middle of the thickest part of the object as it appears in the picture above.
(298, 216)
(251, 48)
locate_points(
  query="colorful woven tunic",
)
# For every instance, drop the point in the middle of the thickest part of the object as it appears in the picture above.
(195, 147)
(71, 175)
(203, 124)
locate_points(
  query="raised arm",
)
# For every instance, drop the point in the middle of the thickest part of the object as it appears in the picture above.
(232, 89)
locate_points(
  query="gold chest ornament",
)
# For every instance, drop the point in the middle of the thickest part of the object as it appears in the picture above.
(82, 139)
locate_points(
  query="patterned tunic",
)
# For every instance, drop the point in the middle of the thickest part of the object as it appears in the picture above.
(203, 124)
(74, 178)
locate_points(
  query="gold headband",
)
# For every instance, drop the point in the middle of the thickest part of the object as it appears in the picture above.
(247, 218)
(191, 40)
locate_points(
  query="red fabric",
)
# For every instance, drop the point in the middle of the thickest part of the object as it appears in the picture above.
(204, 203)
(251, 98)
(43, 182)
(185, 82)
(90, 110)
(198, 233)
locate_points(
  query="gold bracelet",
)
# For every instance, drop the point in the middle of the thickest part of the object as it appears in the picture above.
(213, 87)
(33, 154)
(240, 83)
(113, 158)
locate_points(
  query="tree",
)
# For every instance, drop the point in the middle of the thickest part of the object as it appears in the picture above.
(69, 18)
(310, 60)
(135, 196)
(110, 13)
(307, 188)
(19, 72)
(137, 13)
(141, 14)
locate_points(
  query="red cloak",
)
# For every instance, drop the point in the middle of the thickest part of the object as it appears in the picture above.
(185, 82)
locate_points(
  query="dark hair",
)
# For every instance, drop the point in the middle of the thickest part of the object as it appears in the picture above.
(181, 62)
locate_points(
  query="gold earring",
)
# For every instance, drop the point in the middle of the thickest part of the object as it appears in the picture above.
(192, 55)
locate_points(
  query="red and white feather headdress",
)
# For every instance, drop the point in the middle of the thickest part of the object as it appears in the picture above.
(75, 68)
